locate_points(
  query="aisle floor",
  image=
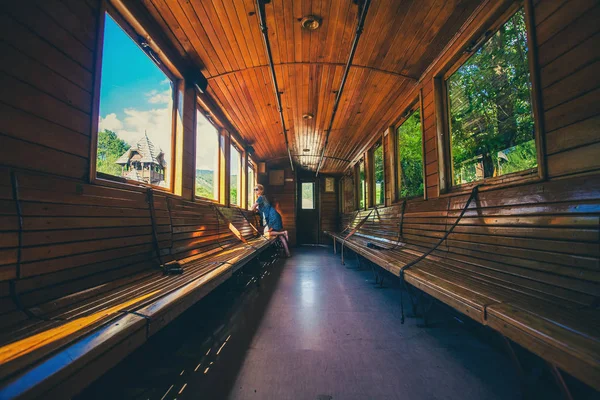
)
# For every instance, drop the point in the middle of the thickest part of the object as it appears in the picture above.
(314, 329)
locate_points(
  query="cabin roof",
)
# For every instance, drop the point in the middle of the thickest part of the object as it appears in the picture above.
(223, 39)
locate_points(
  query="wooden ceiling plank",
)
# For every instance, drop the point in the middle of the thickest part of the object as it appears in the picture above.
(197, 33)
(433, 21)
(167, 21)
(229, 17)
(418, 64)
(268, 115)
(238, 8)
(209, 26)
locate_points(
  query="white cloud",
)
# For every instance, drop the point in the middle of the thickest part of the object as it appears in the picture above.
(156, 97)
(110, 122)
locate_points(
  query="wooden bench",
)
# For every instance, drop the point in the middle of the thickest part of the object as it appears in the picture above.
(524, 261)
(80, 281)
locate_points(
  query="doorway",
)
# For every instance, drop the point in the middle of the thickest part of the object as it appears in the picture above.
(308, 211)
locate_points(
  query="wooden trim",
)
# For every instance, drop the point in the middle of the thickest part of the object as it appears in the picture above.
(536, 90)
(97, 76)
(423, 152)
(442, 134)
(392, 138)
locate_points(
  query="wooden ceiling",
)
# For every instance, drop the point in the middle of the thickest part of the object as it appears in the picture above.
(223, 38)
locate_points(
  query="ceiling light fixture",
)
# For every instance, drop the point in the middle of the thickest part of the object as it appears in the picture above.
(308, 116)
(310, 22)
(306, 150)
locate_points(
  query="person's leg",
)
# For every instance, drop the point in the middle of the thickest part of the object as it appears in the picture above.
(285, 244)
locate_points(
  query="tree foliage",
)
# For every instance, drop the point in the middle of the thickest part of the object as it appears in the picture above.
(110, 148)
(490, 107)
(410, 156)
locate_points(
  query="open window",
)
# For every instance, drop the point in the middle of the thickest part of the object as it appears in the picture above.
(491, 122)
(207, 158)
(308, 196)
(409, 140)
(135, 131)
(235, 173)
(251, 182)
(378, 174)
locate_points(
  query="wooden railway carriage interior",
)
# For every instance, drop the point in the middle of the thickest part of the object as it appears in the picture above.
(451, 148)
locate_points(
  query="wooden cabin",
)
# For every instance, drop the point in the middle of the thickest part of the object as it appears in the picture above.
(422, 155)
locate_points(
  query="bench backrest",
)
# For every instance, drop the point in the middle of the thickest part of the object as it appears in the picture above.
(78, 240)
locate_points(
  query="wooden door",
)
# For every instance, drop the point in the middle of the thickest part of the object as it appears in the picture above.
(308, 211)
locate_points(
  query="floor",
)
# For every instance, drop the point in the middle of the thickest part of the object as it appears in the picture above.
(311, 329)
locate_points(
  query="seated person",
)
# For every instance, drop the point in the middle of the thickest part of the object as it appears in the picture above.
(271, 218)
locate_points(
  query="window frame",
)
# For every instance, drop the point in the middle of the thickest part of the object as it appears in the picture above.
(200, 109)
(415, 105)
(170, 72)
(477, 40)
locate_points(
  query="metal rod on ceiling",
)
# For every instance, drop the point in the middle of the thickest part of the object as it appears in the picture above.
(359, 31)
(263, 27)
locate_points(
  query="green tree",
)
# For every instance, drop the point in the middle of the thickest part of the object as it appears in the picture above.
(410, 155)
(110, 148)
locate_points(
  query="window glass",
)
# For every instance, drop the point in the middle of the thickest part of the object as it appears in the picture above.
(379, 177)
(136, 112)
(361, 185)
(491, 120)
(234, 176)
(251, 184)
(308, 195)
(207, 159)
(410, 156)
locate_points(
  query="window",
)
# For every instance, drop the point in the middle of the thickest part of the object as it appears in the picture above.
(251, 183)
(308, 195)
(207, 159)
(379, 175)
(491, 120)
(135, 129)
(234, 176)
(361, 184)
(410, 156)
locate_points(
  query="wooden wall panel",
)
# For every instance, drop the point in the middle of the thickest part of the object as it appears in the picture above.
(329, 210)
(46, 77)
(569, 54)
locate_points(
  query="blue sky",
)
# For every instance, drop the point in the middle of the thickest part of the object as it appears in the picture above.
(135, 95)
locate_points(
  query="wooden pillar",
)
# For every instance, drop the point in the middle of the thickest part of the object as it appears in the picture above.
(224, 167)
(244, 181)
(369, 179)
